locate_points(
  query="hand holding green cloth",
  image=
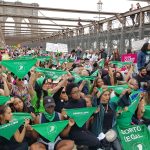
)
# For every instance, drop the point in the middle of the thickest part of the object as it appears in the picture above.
(116, 88)
(4, 99)
(120, 64)
(8, 130)
(135, 137)
(19, 67)
(125, 118)
(23, 116)
(147, 112)
(50, 73)
(76, 76)
(80, 115)
(50, 130)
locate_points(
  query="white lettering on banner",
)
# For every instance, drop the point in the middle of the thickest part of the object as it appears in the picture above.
(132, 137)
(20, 67)
(129, 59)
(10, 124)
(80, 113)
(131, 130)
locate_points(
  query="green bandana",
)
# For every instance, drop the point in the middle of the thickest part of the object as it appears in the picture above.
(48, 116)
(4, 99)
(120, 64)
(80, 115)
(19, 67)
(23, 116)
(134, 137)
(53, 74)
(50, 130)
(8, 130)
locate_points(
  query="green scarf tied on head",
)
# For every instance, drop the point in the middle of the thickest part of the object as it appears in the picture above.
(48, 116)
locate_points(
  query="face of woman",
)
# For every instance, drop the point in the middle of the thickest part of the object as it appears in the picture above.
(63, 95)
(105, 97)
(100, 82)
(75, 93)
(8, 114)
(88, 102)
(18, 104)
(19, 81)
(48, 84)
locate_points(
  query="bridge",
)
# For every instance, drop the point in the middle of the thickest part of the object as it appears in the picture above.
(116, 30)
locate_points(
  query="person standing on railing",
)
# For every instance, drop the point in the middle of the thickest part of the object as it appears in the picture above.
(138, 14)
(133, 15)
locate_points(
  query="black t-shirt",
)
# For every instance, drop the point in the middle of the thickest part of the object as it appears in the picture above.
(108, 119)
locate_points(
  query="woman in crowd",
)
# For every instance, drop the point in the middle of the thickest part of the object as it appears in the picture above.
(17, 142)
(47, 88)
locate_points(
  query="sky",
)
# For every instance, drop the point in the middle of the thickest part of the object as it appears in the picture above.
(120, 6)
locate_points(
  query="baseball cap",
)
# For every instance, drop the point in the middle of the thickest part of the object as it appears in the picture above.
(48, 101)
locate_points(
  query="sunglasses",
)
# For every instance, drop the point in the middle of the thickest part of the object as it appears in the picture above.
(63, 92)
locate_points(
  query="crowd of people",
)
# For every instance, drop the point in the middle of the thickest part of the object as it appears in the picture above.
(90, 81)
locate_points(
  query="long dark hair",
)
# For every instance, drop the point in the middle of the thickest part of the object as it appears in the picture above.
(144, 47)
(40, 92)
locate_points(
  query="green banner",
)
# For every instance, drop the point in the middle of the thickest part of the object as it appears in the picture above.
(76, 76)
(50, 73)
(23, 116)
(125, 118)
(120, 64)
(80, 115)
(50, 130)
(135, 138)
(4, 99)
(43, 58)
(116, 88)
(19, 67)
(8, 130)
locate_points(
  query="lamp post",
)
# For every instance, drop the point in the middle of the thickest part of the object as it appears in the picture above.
(99, 7)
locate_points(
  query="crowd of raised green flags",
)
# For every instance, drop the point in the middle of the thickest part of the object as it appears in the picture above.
(134, 137)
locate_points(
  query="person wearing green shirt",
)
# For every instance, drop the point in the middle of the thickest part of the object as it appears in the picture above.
(47, 88)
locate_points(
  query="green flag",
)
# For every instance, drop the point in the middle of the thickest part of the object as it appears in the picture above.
(4, 99)
(114, 99)
(25, 57)
(101, 63)
(40, 81)
(120, 64)
(61, 61)
(116, 88)
(94, 74)
(147, 112)
(88, 78)
(133, 106)
(76, 76)
(43, 58)
(50, 73)
(135, 137)
(23, 116)
(50, 130)
(8, 130)
(80, 115)
(125, 118)
(19, 67)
